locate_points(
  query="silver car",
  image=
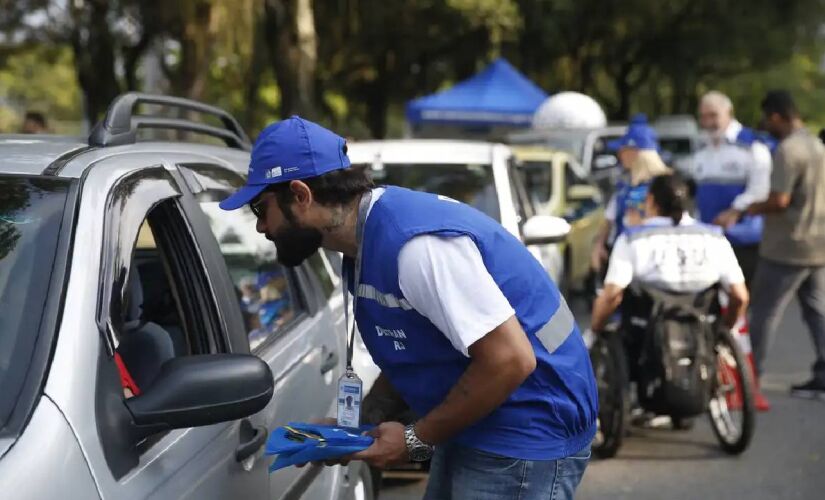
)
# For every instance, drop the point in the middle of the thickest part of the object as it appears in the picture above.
(149, 342)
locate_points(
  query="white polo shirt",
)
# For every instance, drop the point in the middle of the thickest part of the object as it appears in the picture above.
(689, 257)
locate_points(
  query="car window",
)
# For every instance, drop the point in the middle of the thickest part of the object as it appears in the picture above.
(322, 269)
(159, 306)
(472, 184)
(267, 292)
(31, 212)
(603, 158)
(153, 329)
(677, 145)
(537, 177)
(523, 204)
(571, 177)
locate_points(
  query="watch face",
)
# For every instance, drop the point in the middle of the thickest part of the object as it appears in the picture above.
(420, 454)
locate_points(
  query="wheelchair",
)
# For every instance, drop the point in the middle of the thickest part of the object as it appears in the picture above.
(682, 361)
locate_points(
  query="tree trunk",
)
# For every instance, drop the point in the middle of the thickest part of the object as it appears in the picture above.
(195, 51)
(294, 54)
(254, 76)
(93, 47)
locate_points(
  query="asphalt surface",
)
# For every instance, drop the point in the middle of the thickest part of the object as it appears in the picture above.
(786, 458)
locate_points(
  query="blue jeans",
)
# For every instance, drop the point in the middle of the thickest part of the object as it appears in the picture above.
(458, 472)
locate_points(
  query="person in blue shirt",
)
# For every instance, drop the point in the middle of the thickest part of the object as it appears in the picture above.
(638, 154)
(463, 321)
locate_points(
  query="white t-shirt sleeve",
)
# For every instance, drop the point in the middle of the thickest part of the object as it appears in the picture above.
(446, 281)
(759, 178)
(729, 271)
(620, 266)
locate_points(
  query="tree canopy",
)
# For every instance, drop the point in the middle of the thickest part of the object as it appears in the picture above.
(353, 64)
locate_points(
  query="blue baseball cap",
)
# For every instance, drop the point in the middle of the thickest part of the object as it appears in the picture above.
(265, 276)
(639, 135)
(286, 151)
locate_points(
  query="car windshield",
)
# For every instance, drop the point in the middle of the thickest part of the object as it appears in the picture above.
(469, 183)
(31, 212)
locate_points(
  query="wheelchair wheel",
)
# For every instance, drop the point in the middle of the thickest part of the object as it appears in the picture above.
(731, 405)
(609, 367)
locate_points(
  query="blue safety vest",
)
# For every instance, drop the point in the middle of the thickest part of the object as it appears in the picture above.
(715, 195)
(553, 413)
(628, 196)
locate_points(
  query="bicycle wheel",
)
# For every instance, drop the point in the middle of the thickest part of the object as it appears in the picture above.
(608, 359)
(731, 405)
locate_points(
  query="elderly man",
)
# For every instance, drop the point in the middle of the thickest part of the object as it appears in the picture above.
(732, 171)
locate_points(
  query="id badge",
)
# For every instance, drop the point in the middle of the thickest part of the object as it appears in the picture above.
(349, 400)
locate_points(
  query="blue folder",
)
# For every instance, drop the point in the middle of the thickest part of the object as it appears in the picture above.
(298, 443)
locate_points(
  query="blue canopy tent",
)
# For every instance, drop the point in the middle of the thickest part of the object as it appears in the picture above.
(498, 96)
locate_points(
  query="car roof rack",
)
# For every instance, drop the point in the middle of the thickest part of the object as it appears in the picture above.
(120, 125)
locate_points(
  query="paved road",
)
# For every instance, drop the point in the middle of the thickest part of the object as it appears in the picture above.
(786, 458)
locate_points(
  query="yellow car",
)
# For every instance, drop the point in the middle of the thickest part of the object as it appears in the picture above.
(555, 184)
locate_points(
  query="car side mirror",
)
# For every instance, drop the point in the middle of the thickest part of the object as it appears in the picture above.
(192, 391)
(544, 230)
(604, 161)
(583, 192)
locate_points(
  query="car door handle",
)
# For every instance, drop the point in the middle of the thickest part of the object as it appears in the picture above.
(251, 446)
(330, 360)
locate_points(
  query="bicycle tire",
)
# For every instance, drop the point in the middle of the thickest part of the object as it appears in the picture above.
(744, 375)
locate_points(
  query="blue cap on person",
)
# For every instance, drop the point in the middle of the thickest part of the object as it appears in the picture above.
(639, 135)
(286, 151)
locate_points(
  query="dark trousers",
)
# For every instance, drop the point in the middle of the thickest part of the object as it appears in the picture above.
(774, 286)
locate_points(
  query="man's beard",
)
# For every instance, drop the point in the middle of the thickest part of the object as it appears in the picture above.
(295, 244)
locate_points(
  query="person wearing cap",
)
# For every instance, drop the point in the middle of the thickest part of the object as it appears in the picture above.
(638, 154)
(463, 321)
(670, 251)
(731, 171)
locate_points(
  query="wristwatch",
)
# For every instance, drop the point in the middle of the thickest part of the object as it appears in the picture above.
(418, 450)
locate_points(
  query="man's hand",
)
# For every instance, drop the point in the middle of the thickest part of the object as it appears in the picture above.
(389, 447)
(728, 218)
(776, 202)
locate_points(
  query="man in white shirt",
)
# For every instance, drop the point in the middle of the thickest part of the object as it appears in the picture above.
(732, 170)
(673, 252)
(463, 321)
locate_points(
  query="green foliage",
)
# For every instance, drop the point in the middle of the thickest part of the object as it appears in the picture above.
(655, 56)
(40, 78)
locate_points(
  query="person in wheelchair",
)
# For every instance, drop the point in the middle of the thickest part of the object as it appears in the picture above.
(666, 274)
(671, 251)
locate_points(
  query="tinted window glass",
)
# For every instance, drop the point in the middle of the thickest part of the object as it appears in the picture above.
(322, 269)
(538, 181)
(470, 184)
(266, 291)
(31, 212)
(680, 146)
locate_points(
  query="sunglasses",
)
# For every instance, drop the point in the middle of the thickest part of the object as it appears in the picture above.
(258, 207)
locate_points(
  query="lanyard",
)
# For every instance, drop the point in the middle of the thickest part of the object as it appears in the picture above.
(363, 208)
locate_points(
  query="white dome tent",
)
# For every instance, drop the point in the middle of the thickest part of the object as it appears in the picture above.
(569, 110)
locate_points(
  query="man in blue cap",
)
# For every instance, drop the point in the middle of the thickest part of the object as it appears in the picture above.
(463, 321)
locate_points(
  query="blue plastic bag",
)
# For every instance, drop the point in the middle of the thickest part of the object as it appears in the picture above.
(298, 443)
